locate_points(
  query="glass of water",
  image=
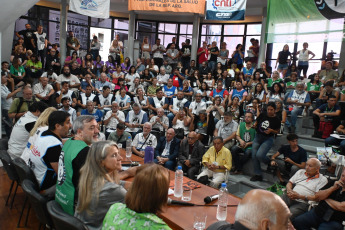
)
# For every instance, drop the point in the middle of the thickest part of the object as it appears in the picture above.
(200, 221)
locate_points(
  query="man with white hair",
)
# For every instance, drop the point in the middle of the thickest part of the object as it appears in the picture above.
(162, 77)
(196, 106)
(101, 83)
(167, 150)
(112, 118)
(140, 67)
(303, 186)
(144, 139)
(160, 122)
(297, 99)
(135, 119)
(259, 210)
(330, 212)
(91, 110)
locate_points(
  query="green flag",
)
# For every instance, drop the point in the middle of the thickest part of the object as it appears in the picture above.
(305, 20)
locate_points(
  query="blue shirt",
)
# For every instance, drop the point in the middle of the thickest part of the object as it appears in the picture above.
(98, 114)
(247, 71)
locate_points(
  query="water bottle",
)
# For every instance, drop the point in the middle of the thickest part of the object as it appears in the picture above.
(222, 203)
(129, 147)
(178, 189)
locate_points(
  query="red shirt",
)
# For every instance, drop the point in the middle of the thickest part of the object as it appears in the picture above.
(203, 57)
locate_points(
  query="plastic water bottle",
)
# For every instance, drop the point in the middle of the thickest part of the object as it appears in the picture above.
(222, 203)
(129, 147)
(178, 182)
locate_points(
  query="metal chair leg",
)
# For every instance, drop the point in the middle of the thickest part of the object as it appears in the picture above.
(14, 195)
(27, 216)
(21, 213)
(9, 193)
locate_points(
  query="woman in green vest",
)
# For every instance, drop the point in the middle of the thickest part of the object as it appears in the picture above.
(270, 81)
(314, 87)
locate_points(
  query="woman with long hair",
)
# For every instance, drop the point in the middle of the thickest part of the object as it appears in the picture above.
(283, 59)
(141, 99)
(111, 64)
(86, 59)
(40, 126)
(270, 81)
(314, 87)
(17, 71)
(276, 92)
(74, 58)
(117, 75)
(258, 92)
(209, 80)
(99, 183)
(126, 65)
(237, 56)
(19, 54)
(255, 79)
(145, 49)
(98, 64)
(205, 91)
(223, 54)
(216, 109)
(153, 68)
(182, 120)
(115, 51)
(147, 197)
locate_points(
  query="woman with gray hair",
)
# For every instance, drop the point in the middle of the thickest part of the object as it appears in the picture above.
(99, 183)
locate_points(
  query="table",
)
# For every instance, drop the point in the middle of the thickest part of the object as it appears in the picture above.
(182, 217)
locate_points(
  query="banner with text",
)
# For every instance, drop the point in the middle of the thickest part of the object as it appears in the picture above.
(225, 10)
(182, 6)
(92, 8)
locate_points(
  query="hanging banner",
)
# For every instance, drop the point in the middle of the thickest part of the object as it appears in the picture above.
(181, 6)
(92, 8)
(305, 20)
(225, 10)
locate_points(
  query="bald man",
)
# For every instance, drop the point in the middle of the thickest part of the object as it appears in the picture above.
(259, 210)
(303, 186)
(167, 150)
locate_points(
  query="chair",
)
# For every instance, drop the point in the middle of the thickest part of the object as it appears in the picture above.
(11, 172)
(24, 173)
(38, 202)
(3, 144)
(62, 220)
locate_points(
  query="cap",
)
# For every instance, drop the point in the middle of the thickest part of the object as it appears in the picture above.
(223, 185)
(179, 167)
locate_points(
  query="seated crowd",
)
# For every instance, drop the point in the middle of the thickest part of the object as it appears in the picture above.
(209, 117)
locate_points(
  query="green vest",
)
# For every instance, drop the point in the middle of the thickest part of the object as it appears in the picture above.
(65, 190)
(293, 83)
(246, 135)
(270, 81)
(311, 87)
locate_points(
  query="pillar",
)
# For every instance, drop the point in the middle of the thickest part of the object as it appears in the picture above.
(341, 66)
(196, 25)
(63, 30)
(262, 50)
(131, 35)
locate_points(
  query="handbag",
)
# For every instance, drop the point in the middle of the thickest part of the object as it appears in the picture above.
(179, 133)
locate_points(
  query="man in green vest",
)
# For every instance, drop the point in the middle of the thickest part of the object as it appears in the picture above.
(245, 135)
(72, 158)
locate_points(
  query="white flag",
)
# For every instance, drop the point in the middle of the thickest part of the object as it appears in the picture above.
(92, 8)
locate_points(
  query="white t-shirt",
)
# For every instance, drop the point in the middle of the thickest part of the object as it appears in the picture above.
(305, 186)
(113, 121)
(197, 107)
(225, 130)
(140, 144)
(72, 79)
(38, 89)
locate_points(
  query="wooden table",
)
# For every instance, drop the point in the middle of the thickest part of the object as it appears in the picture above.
(182, 217)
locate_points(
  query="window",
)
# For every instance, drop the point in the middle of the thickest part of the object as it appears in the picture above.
(253, 29)
(210, 39)
(146, 26)
(233, 29)
(167, 28)
(166, 38)
(121, 24)
(182, 38)
(232, 42)
(100, 22)
(211, 29)
(77, 19)
(186, 29)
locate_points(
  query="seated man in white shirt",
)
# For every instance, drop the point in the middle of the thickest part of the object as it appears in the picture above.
(66, 75)
(101, 83)
(162, 77)
(160, 122)
(227, 129)
(44, 91)
(196, 106)
(112, 118)
(144, 139)
(303, 186)
(67, 108)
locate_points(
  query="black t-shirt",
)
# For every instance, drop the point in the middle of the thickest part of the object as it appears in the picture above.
(84, 71)
(52, 156)
(283, 56)
(214, 56)
(27, 35)
(21, 56)
(265, 122)
(186, 49)
(76, 72)
(323, 207)
(261, 71)
(298, 157)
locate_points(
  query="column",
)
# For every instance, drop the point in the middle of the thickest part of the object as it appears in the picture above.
(63, 30)
(341, 66)
(131, 35)
(196, 25)
(262, 50)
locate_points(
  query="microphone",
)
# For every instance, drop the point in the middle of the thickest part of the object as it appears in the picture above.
(209, 199)
(177, 202)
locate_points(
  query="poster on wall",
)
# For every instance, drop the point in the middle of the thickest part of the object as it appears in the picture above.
(181, 6)
(92, 8)
(225, 10)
